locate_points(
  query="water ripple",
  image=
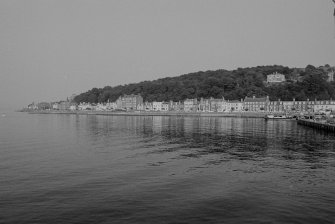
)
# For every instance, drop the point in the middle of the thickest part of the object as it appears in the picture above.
(105, 169)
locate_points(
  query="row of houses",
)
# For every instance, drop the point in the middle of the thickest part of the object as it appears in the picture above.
(63, 105)
(251, 104)
(264, 104)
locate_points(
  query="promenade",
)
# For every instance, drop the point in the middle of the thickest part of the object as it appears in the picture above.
(154, 113)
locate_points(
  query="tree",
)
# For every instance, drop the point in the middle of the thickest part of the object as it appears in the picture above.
(310, 82)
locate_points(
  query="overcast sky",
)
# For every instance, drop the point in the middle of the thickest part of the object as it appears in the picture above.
(52, 49)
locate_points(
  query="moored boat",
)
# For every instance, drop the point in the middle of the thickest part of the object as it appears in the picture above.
(276, 116)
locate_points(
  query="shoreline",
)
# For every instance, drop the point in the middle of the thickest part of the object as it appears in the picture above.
(153, 113)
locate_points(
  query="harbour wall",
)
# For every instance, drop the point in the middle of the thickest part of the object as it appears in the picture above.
(317, 125)
(152, 113)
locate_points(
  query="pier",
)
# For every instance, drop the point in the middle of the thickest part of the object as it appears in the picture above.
(317, 125)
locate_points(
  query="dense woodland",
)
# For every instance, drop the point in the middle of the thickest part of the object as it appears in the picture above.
(302, 84)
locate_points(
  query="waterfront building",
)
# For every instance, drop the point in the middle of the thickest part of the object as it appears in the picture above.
(111, 105)
(43, 106)
(219, 105)
(32, 106)
(190, 105)
(216, 105)
(225, 105)
(234, 106)
(129, 102)
(288, 106)
(101, 107)
(64, 105)
(280, 106)
(304, 106)
(176, 106)
(324, 106)
(204, 105)
(272, 106)
(148, 106)
(93, 106)
(85, 106)
(121, 103)
(140, 107)
(256, 104)
(157, 106)
(73, 106)
(275, 78)
(165, 106)
(55, 106)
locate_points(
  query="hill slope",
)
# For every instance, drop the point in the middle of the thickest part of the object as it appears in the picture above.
(301, 84)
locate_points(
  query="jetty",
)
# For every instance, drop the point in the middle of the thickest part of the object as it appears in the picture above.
(317, 124)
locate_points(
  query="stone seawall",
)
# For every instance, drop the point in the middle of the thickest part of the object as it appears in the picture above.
(151, 113)
(317, 125)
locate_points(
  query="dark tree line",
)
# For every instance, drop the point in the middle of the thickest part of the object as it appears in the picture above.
(301, 84)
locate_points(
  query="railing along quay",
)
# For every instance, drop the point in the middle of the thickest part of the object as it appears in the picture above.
(317, 125)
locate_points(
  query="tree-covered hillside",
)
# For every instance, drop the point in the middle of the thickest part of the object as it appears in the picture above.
(301, 84)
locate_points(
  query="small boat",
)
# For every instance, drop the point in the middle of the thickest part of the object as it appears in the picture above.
(276, 116)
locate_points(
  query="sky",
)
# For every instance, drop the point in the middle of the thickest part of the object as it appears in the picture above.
(51, 49)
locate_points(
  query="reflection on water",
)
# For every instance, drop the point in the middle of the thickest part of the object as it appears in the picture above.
(105, 169)
(232, 137)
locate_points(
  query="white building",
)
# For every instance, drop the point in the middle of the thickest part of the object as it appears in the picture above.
(55, 106)
(324, 105)
(330, 76)
(216, 105)
(85, 106)
(129, 102)
(275, 78)
(148, 106)
(234, 106)
(32, 106)
(176, 106)
(100, 107)
(157, 106)
(111, 105)
(256, 104)
(165, 106)
(73, 106)
(190, 105)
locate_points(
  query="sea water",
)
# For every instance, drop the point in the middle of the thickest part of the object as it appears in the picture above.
(156, 169)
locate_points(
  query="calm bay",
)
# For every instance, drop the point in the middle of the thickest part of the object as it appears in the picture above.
(58, 168)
